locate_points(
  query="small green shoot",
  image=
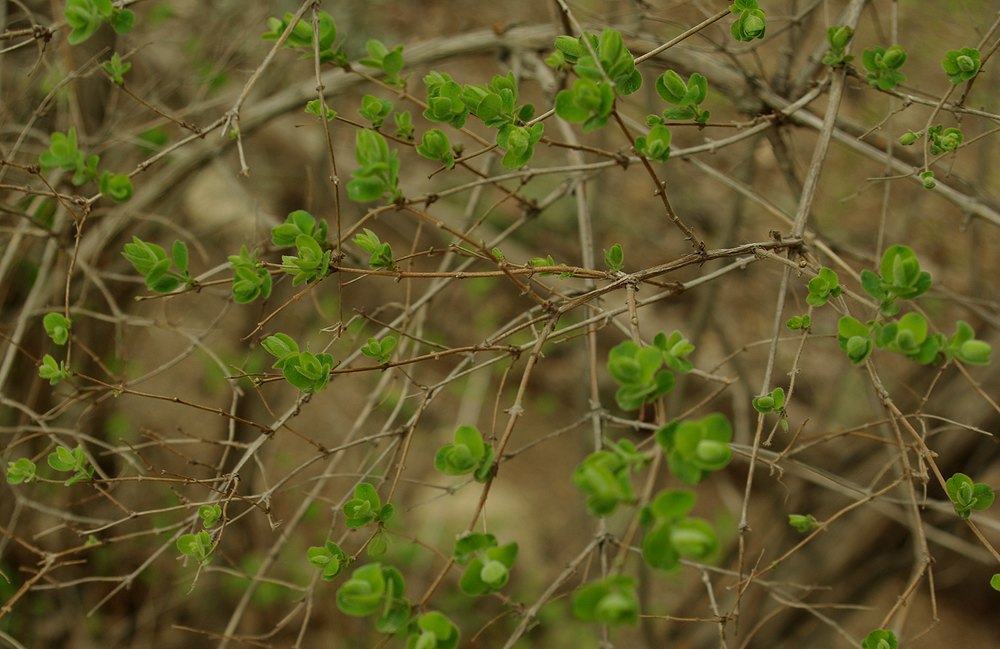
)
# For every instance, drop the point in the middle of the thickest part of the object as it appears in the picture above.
(838, 37)
(377, 174)
(21, 471)
(880, 639)
(375, 110)
(967, 495)
(65, 461)
(751, 20)
(673, 534)
(803, 522)
(250, 278)
(306, 371)
(380, 254)
(433, 630)
(883, 66)
(151, 261)
(210, 515)
(638, 370)
(57, 327)
(197, 546)
(366, 507)
(487, 564)
(614, 258)
(468, 453)
(52, 371)
(961, 65)
(612, 601)
(376, 589)
(380, 350)
(116, 69)
(823, 287)
(85, 17)
(329, 558)
(696, 448)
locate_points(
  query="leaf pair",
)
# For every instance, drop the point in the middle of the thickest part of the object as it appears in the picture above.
(673, 534)
(306, 371)
(376, 589)
(151, 261)
(487, 564)
(377, 174)
(468, 453)
(695, 448)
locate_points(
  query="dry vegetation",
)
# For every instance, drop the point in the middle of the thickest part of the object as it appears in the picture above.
(176, 404)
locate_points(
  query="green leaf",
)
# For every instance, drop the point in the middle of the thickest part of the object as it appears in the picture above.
(328, 558)
(57, 327)
(210, 515)
(116, 68)
(611, 601)
(21, 471)
(179, 252)
(803, 522)
(614, 258)
(880, 639)
(52, 371)
(197, 546)
(961, 65)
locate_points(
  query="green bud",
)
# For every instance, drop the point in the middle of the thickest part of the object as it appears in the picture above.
(894, 57)
(908, 138)
(976, 352)
(840, 36)
(965, 63)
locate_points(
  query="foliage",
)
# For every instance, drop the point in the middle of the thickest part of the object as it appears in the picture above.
(86, 16)
(694, 449)
(961, 65)
(967, 495)
(611, 601)
(468, 453)
(163, 274)
(306, 371)
(883, 66)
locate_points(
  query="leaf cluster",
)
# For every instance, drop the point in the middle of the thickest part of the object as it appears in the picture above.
(686, 97)
(302, 35)
(250, 278)
(163, 274)
(672, 534)
(695, 448)
(379, 253)
(967, 495)
(961, 65)
(329, 558)
(86, 16)
(374, 589)
(74, 461)
(468, 453)
(612, 601)
(751, 20)
(838, 37)
(487, 564)
(377, 174)
(604, 476)
(380, 350)
(306, 371)
(591, 98)
(883, 66)
(390, 62)
(639, 371)
(366, 507)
